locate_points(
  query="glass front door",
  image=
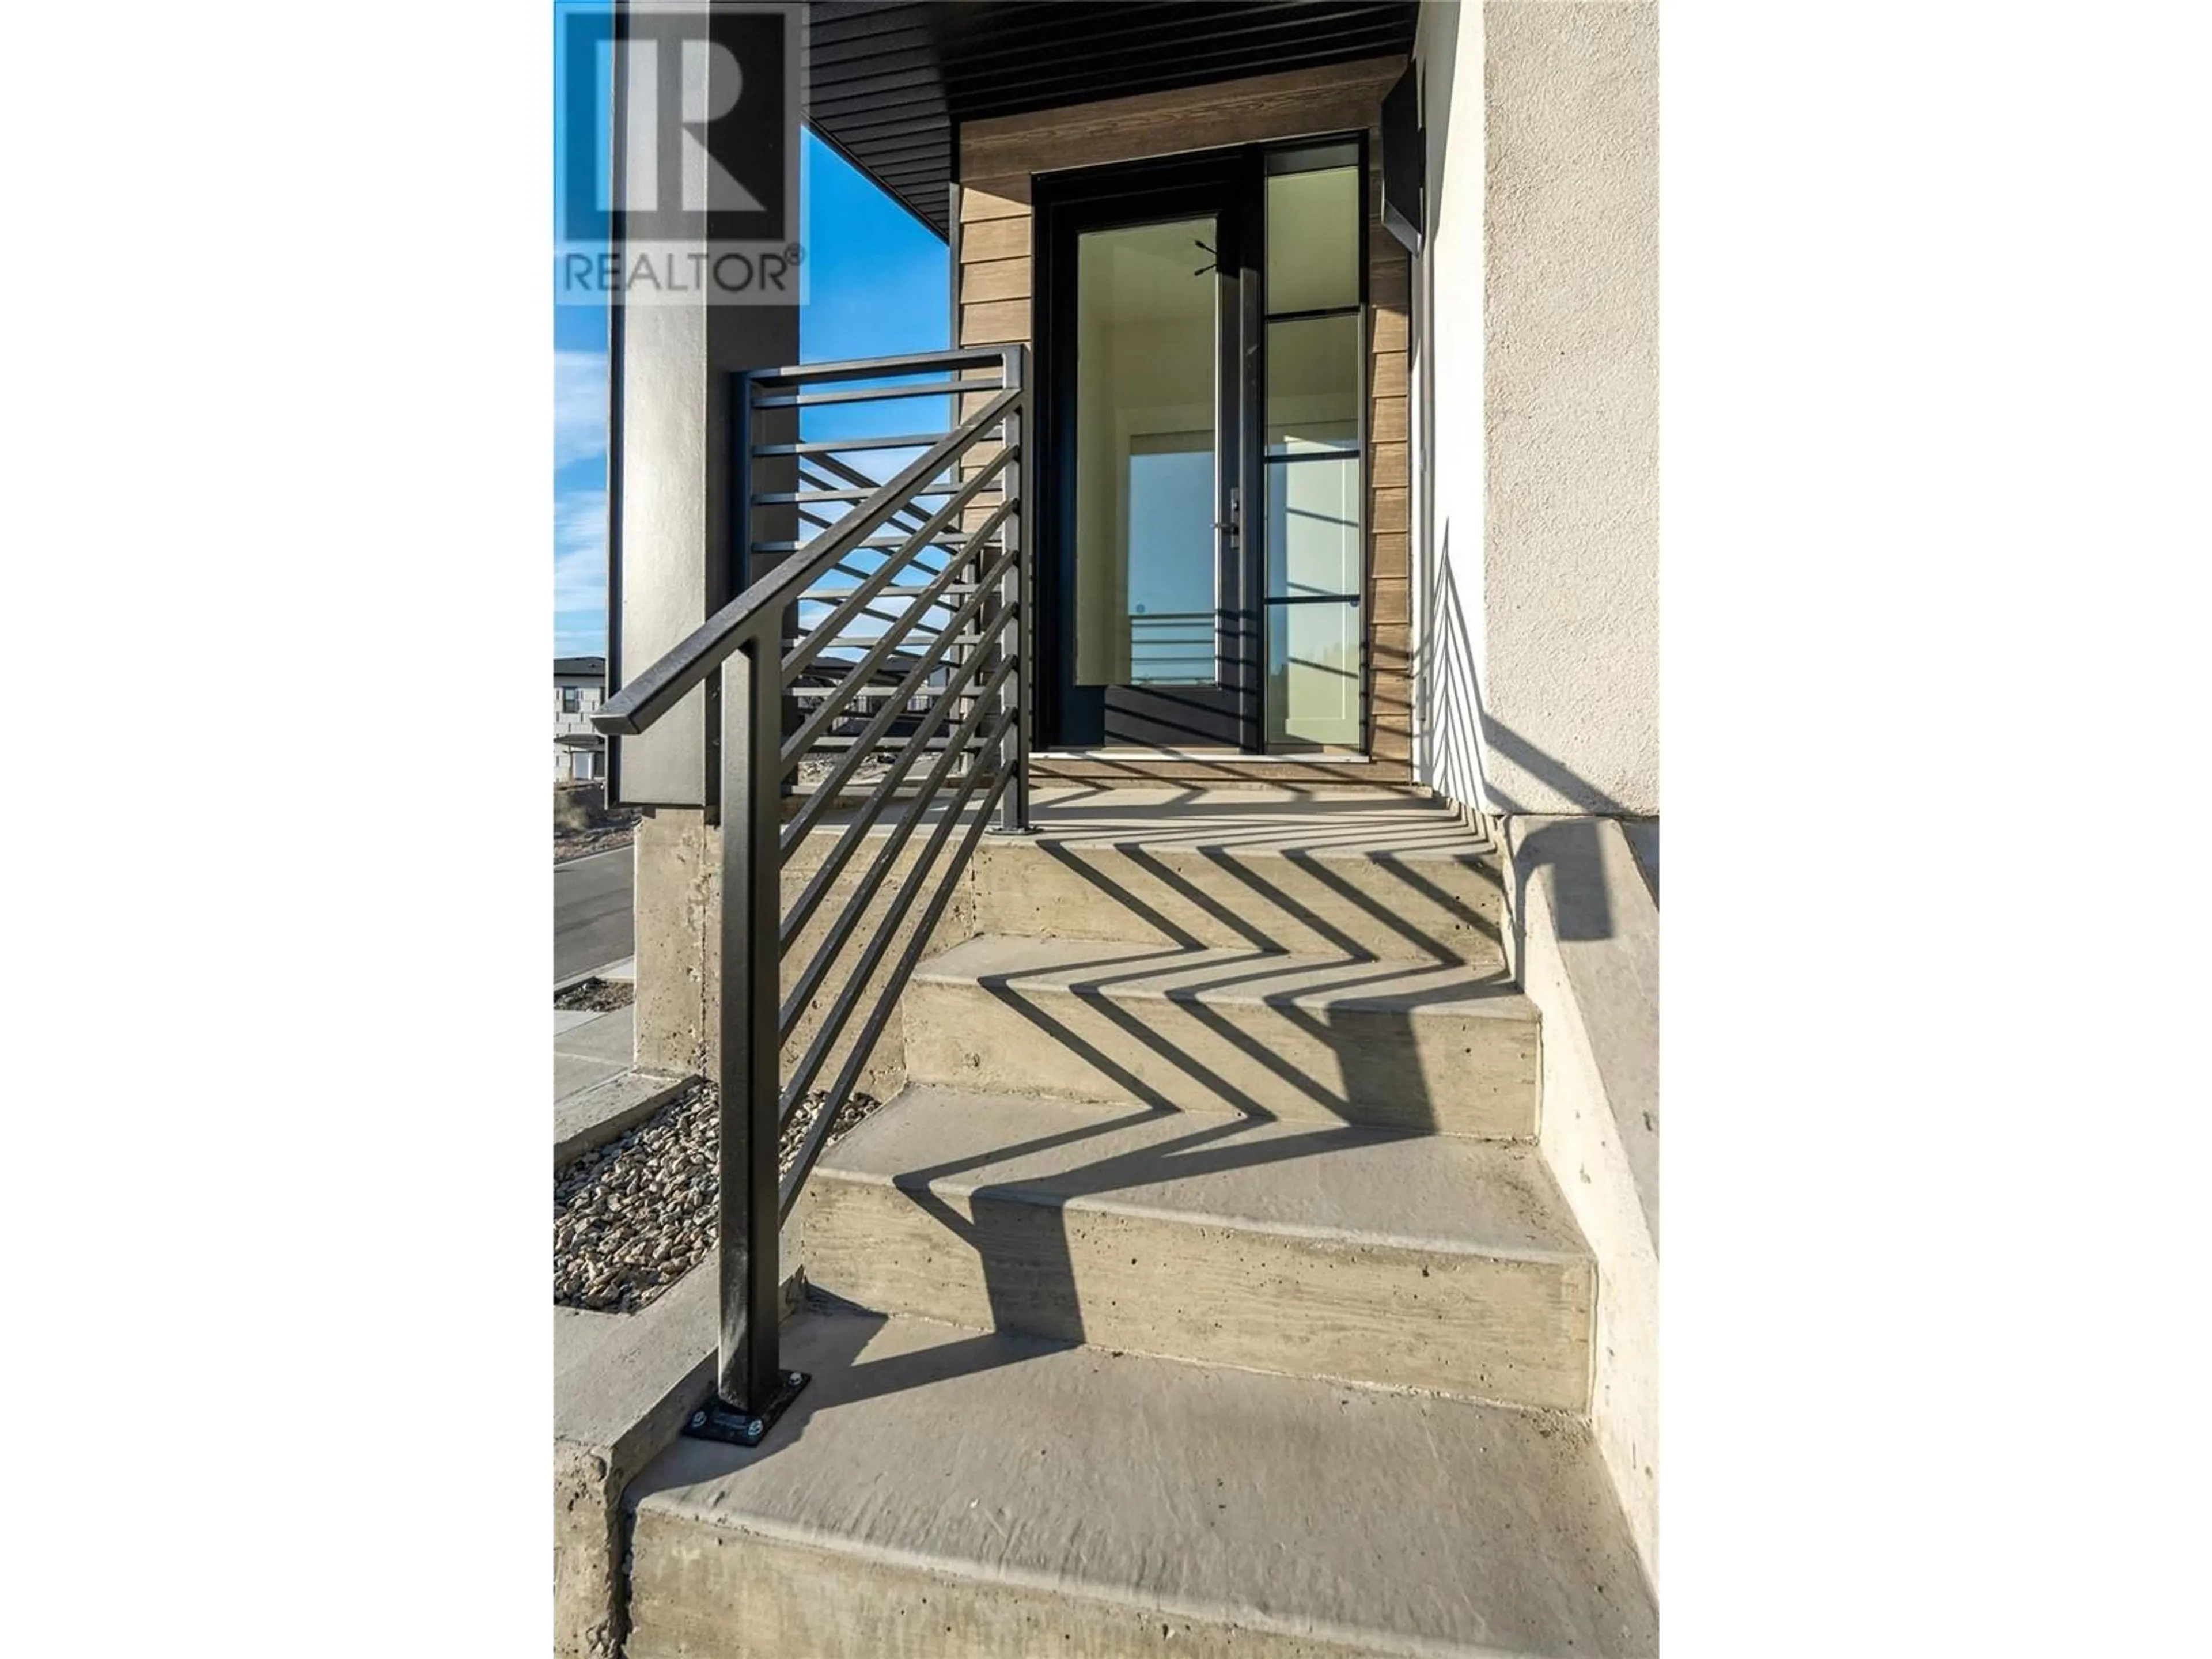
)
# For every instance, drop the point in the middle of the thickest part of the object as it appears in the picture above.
(1148, 454)
(1202, 343)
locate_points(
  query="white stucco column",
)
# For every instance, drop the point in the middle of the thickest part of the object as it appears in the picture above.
(673, 476)
(1536, 484)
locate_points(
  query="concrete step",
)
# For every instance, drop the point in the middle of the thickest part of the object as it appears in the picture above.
(1309, 1038)
(1220, 773)
(1420, 1261)
(941, 1491)
(1357, 875)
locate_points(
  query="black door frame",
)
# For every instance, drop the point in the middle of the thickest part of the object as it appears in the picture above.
(1226, 182)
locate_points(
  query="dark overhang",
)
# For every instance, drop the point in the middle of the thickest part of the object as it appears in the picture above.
(888, 79)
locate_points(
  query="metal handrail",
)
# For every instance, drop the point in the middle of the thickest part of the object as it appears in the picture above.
(946, 598)
(635, 707)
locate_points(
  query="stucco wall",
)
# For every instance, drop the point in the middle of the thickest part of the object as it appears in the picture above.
(1546, 646)
(1570, 383)
(1536, 563)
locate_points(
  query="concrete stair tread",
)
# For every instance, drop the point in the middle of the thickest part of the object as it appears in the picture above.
(938, 1490)
(1358, 1186)
(1226, 977)
(1347, 824)
(1350, 824)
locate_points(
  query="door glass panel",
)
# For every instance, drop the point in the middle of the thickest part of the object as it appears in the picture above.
(1313, 674)
(1146, 442)
(1313, 240)
(1312, 384)
(1313, 528)
(1314, 464)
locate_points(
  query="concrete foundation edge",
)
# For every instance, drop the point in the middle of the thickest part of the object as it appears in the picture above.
(778, 1596)
(592, 1117)
(1585, 948)
(622, 1386)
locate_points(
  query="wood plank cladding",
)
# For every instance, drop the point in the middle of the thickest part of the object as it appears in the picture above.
(997, 160)
(994, 322)
(995, 279)
(1334, 98)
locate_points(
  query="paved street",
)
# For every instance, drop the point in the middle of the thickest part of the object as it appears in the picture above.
(592, 912)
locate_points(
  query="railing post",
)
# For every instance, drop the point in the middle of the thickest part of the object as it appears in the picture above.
(1014, 804)
(751, 1389)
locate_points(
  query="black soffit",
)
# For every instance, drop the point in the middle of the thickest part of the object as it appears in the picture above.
(887, 81)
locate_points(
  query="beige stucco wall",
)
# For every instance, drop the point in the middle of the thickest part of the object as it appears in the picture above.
(1535, 384)
(1548, 649)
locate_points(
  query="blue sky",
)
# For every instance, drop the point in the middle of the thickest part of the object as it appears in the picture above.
(877, 285)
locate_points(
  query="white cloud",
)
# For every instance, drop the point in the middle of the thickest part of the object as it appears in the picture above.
(579, 406)
(580, 571)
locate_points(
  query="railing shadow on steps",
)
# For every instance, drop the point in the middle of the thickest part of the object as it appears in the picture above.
(914, 592)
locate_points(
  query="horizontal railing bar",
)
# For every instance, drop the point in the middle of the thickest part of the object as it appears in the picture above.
(827, 472)
(885, 858)
(871, 1030)
(950, 540)
(863, 672)
(663, 685)
(864, 369)
(840, 744)
(837, 445)
(844, 640)
(871, 957)
(906, 520)
(871, 697)
(821, 595)
(894, 592)
(803, 908)
(793, 497)
(931, 531)
(803, 821)
(860, 575)
(871, 394)
(887, 618)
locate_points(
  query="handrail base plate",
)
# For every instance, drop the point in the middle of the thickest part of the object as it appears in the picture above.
(718, 1419)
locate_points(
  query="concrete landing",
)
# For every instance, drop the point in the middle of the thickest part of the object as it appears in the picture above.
(1442, 1048)
(1353, 822)
(1410, 1260)
(941, 1492)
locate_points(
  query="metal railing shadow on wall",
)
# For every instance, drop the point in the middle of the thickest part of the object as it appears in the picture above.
(907, 598)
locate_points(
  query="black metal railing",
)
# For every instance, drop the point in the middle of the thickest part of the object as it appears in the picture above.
(887, 632)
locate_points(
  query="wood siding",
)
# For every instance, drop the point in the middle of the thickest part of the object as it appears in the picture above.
(996, 161)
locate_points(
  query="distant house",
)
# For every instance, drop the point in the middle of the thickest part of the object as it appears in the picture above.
(580, 685)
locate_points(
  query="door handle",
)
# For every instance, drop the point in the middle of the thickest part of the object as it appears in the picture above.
(1233, 524)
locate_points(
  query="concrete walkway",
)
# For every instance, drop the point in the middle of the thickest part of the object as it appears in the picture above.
(589, 1047)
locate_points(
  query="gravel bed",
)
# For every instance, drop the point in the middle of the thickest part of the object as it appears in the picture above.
(598, 995)
(816, 768)
(633, 1217)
